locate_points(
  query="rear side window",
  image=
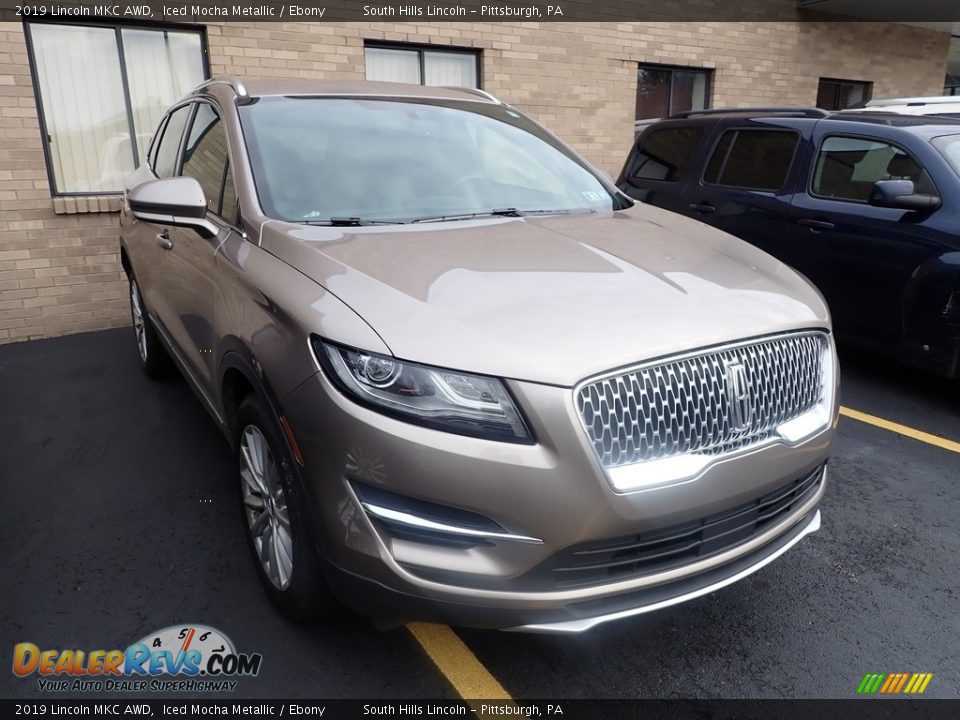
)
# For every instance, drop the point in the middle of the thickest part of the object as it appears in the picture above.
(166, 162)
(205, 155)
(847, 168)
(666, 154)
(752, 159)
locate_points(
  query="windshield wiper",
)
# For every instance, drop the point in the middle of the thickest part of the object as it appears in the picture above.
(496, 212)
(500, 212)
(560, 211)
(352, 222)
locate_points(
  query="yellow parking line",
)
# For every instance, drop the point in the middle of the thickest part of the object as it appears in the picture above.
(457, 663)
(920, 435)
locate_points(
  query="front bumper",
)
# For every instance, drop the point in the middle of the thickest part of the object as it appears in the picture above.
(393, 607)
(553, 491)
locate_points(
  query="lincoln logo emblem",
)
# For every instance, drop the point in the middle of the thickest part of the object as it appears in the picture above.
(738, 396)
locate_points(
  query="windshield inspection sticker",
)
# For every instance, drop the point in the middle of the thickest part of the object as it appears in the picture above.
(594, 195)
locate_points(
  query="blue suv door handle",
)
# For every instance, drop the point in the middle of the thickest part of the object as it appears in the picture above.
(815, 225)
(703, 208)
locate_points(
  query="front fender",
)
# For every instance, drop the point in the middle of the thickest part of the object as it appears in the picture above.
(237, 357)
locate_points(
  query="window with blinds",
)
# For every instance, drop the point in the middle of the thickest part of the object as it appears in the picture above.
(102, 91)
(422, 65)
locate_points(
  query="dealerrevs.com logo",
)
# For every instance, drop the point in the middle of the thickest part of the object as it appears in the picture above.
(187, 658)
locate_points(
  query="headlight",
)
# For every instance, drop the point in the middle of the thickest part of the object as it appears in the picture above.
(442, 399)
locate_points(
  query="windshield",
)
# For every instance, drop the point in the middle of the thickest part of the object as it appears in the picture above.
(351, 159)
(949, 147)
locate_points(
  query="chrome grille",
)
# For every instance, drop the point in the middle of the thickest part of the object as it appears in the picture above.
(687, 405)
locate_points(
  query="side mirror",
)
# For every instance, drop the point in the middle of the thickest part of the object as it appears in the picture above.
(900, 194)
(178, 201)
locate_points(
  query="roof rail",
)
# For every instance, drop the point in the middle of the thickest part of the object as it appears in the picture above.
(243, 98)
(474, 91)
(934, 100)
(801, 111)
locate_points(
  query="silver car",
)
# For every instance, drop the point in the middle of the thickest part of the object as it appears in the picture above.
(465, 378)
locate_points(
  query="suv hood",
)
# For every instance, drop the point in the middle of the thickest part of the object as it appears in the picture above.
(551, 299)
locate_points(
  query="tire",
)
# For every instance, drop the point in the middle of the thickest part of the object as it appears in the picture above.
(289, 569)
(153, 355)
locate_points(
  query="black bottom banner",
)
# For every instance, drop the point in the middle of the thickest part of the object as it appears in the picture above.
(874, 709)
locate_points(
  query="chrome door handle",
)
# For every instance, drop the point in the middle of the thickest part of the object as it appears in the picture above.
(164, 239)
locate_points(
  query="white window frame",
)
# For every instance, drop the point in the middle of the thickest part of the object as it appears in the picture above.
(198, 30)
(421, 50)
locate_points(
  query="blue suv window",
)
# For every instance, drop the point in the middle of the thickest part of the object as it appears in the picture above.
(752, 159)
(847, 168)
(949, 147)
(666, 154)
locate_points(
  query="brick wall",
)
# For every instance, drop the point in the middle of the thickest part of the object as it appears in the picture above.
(59, 273)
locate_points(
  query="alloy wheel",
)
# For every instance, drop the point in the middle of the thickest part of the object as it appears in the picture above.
(265, 506)
(139, 322)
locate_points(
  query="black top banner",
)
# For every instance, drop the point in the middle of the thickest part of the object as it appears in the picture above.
(931, 11)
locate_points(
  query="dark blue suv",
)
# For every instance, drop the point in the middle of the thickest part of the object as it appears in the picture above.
(866, 205)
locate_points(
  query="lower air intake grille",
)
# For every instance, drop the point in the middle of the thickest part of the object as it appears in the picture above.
(626, 557)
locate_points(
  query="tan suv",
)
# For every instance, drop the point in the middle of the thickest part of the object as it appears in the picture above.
(465, 378)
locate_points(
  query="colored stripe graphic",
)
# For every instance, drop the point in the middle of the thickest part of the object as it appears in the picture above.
(891, 681)
(870, 683)
(914, 682)
(894, 683)
(901, 682)
(918, 683)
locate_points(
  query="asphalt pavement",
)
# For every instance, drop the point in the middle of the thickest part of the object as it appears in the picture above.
(118, 516)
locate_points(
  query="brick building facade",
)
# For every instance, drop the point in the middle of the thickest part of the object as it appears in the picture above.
(59, 270)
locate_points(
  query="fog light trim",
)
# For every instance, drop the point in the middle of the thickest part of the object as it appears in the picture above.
(390, 515)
